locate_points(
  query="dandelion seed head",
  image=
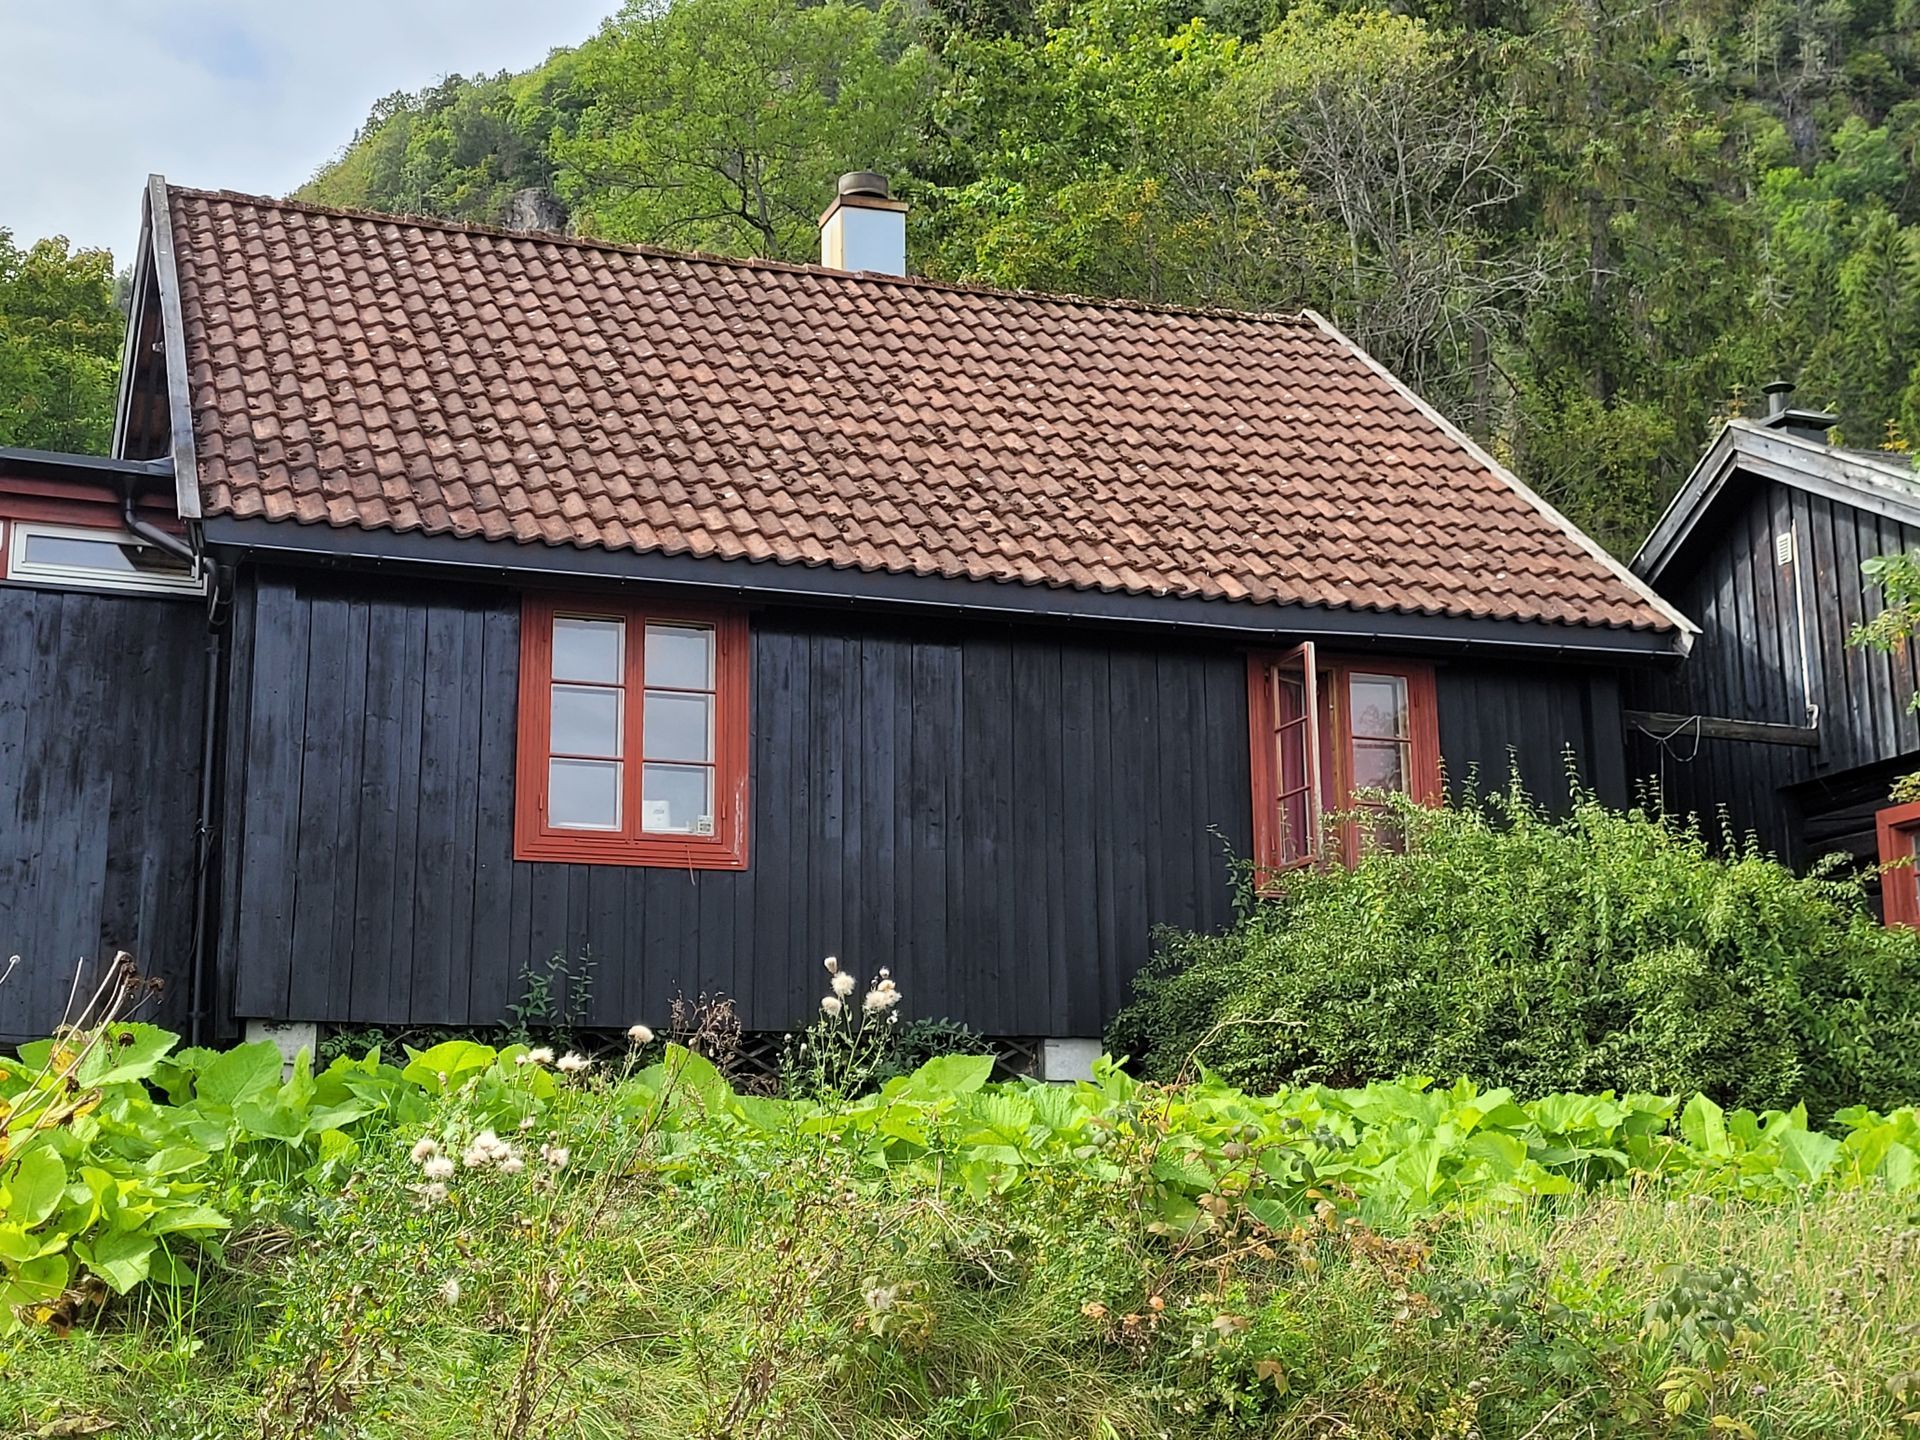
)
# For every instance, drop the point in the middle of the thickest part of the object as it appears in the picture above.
(540, 1055)
(572, 1063)
(833, 965)
(843, 984)
(640, 1035)
(424, 1149)
(555, 1155)
(450, 1291)
(437, 1167)
(512, 1165)
(526, 1122)
(832, 1005)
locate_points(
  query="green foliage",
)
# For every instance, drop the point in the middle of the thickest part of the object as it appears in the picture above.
(1602, 951)
(722, 124)
(555, 999)
(60, 334)
(483, 1241)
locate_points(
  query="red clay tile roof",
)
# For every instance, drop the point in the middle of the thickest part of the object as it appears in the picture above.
(357, 370)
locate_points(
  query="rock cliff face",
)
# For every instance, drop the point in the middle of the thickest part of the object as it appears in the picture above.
(535, 208)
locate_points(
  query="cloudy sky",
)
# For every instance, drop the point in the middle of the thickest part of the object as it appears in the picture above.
(256, 95)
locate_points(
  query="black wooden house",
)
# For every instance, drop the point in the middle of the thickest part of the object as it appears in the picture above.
(1777, 726)
(516, 596)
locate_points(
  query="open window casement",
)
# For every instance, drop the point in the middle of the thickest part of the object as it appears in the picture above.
(1289, 799)
(1334, 736)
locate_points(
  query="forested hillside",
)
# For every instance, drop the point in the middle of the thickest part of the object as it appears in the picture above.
(1586, 228)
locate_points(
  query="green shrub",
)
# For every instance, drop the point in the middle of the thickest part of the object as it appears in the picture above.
(1605, 950)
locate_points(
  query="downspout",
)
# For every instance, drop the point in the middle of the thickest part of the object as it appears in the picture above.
(154, 535)
(200, 947)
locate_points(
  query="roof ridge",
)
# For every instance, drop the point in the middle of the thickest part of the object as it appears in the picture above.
(1882, 461)
(1299, 319)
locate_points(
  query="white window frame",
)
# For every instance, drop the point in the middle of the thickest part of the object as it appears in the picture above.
(22, 571)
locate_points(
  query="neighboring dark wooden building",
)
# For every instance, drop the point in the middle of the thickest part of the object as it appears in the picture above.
(714, 616)
(1776, 722)
(103, 690)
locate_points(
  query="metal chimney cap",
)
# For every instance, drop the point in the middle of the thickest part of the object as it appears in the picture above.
(1777, 392)
(864, 182)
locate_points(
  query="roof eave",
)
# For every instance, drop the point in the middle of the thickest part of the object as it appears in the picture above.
(521, 563)
(1881, 488)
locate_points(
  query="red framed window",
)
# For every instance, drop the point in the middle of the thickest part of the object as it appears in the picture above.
(633, 735)
(1899, 829)
(1329, 734)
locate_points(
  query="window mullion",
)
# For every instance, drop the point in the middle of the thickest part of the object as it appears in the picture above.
(633, 719)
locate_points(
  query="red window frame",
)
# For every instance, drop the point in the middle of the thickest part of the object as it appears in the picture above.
(1898, 827)
(1329, 745)
(534, 837)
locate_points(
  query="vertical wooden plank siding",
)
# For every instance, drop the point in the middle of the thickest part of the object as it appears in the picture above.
(101, 702)
(1000, 815)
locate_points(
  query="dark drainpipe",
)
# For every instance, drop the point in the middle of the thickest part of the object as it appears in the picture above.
(201, 947)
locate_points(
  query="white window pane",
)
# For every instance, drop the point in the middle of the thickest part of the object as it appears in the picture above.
(676, 799)
(587, 649)
(679, 727)
(1379, 765)
(586, 721)
(105, 554)
(583, 794)
(1379, 706)
(680, 656)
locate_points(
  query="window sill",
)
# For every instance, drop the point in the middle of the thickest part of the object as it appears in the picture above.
(659, 853)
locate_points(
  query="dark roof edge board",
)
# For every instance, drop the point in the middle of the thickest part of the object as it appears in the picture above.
(16, 461)
(158, 227)
(766, 581)
(1886, 488)
(1466, 442)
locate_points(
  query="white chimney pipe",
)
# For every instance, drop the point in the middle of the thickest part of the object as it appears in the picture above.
(864, 228)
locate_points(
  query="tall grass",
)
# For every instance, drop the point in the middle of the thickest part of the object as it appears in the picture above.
(649, 1287)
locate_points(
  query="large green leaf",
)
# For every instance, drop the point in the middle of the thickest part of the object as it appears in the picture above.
(1704, 1125)
(119, 1257)
(240, 1073)
(127, 1052)
(35, 1186)
(946, 1075)
(454, 1059)
(1807, 1155)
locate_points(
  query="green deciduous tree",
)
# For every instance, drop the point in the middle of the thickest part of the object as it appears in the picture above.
(722, 124)
(60, 335)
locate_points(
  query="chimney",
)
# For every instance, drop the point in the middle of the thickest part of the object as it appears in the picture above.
(1801, 424)
(864, 228)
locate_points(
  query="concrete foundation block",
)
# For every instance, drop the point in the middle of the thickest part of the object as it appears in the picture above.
(1065, 1060)
(289, 1037)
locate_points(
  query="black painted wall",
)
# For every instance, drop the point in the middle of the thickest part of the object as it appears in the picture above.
(100, 732)
(1746, 665)
(999, 814)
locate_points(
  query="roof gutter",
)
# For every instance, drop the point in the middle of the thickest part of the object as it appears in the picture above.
(533, 565)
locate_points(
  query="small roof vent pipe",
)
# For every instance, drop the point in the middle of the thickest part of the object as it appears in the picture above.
(865, 228)
(1801, 424)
